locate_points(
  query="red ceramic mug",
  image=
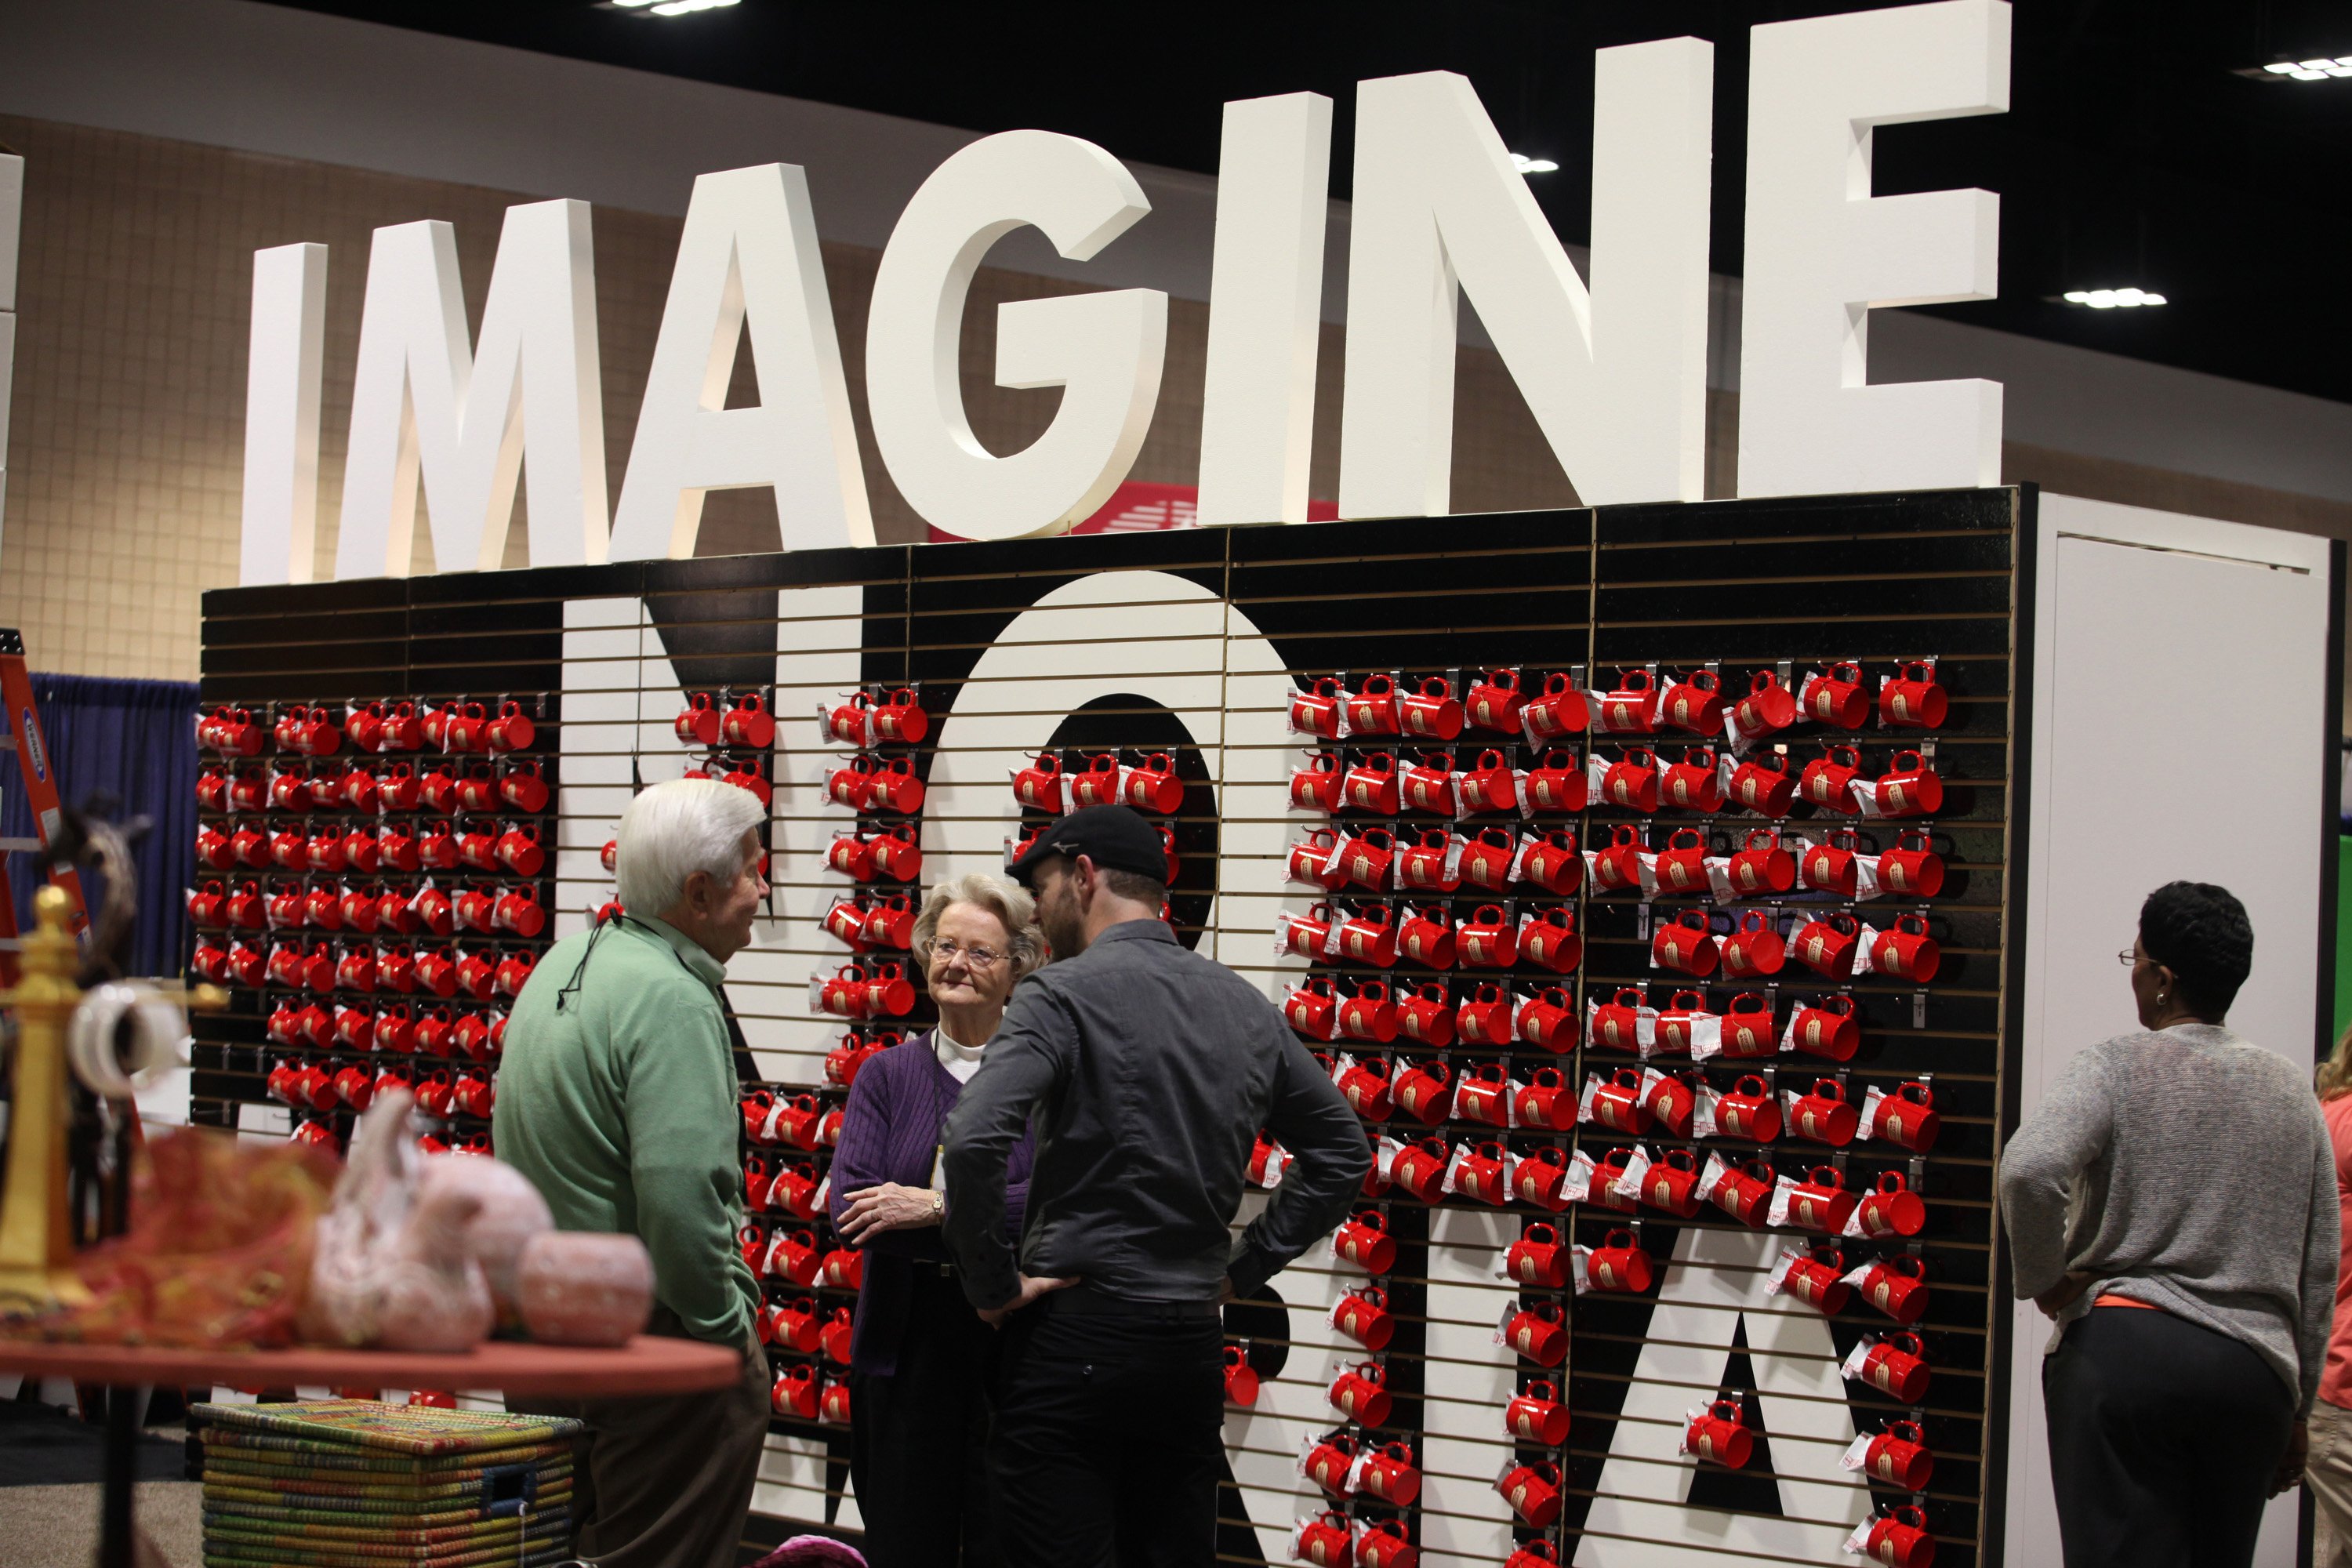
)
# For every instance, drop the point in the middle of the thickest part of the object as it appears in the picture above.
(1630, 706)
(1426, 785)
(1836, 696)
(1538, 1258)
(1360, 1394)
(1753, 948)
(1748, 1111)
(1532, 1491)
(1619, 1265)
(1911, 867)
(1827, 1028)
(1371, 707)
(1494, 701)
(1720, 1435)
(1816, 1278)
(1632, 783)
(1314, 787)
(1539, 1331)
(1547, 1019)
(1430, 711)
(1559, 711)
(1684, 944)
(1826, 944)
(1891, 1209)
(1821, 1115)
(1426, 1016)
(1695, 702)
(1535, 1414)
(1899, 1456)
(1906, 952)
(1912, 700)
(1828, 779)
(1363, 1316)
(1896, 1285)
(1694, 784)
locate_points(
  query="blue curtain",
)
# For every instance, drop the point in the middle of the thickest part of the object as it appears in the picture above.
(135, 741)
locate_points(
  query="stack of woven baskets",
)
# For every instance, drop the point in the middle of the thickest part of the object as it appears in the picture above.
(343, 1481)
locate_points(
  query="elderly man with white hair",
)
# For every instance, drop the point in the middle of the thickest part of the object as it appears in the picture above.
(617, 1096)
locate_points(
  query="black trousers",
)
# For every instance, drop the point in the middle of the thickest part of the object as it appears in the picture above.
(2164, 1437)
(1109, 1438)
(665, 1482)
(918, 1439)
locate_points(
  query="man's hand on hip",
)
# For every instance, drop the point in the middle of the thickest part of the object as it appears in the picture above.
(1032, 1287)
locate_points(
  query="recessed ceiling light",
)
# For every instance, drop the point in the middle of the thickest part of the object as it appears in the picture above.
(1527, 165)
(664, 7)
(2111, 298)
(2317, 69)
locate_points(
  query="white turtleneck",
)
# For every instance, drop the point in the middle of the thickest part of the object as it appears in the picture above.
(960, 1060)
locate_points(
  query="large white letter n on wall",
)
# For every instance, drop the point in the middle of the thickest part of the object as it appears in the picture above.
(1822, 251)
(1615, 373)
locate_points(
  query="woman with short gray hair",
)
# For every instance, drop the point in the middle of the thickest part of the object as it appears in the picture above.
(918, 1417)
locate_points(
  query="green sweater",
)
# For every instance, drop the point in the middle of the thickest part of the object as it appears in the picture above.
(621, 1106)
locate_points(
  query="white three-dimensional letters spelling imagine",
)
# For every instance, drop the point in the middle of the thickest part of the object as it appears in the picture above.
(1613, 368)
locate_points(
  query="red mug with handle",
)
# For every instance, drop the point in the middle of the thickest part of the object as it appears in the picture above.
(1539, 1333)
(1684, 944)
(1371, 707)
(1718, 1434)
(1619, 1265)
(1836, 696)
(1360, 1394)
(1532, 1491)
(1896, 1538)
(1906, 1116)
(1906, 952)
(1363, 1316)
(1911, 867)
(1895, 1365)
(1426, 1015)
(1826, 944)
(1695, 702)
(1536, 1415)
(1743, 1190)
(1314, 787)
(1821, 1115)
(1556, 783)
(1827, 782)
(1494, 701)
(1748, 1111)
(1431, 710)
(1828, 1028)
(1559, 711)
(1763, 785)
(1899, 1456)
(1909, 787)
(1891, 1209)
(1912, 700)
(1754, 948)
(1816, 1278)
(1768, 707)
(1896, 1285)
(1539, 1257)
(1547, 1019)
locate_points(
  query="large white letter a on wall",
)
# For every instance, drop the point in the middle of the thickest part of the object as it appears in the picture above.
(748, 258)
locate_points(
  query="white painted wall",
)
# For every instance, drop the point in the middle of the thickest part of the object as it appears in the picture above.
(2171, 652)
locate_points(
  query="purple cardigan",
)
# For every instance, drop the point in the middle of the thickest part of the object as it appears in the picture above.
(890, 1131)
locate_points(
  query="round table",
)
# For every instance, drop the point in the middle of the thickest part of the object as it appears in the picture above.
(646, 1365)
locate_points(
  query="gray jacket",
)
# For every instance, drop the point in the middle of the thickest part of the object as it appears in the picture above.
(1149, 1071)
(2191, 1171)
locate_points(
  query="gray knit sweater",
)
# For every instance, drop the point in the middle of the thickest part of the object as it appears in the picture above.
(2191, 1171)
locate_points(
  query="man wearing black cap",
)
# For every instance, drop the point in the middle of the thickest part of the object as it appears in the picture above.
(1149, 1071)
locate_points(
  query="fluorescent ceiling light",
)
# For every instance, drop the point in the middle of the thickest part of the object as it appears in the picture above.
(1527, 165)
(666, 7)
(2111, 298)
(2319, 68)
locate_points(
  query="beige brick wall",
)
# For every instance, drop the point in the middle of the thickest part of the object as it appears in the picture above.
(127, 444)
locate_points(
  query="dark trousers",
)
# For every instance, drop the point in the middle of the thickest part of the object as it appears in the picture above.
(1109, 1438)
(2164, 1437)
(918, 1439)
(665, 1482)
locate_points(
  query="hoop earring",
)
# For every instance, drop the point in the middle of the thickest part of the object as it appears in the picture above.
(2159, 998)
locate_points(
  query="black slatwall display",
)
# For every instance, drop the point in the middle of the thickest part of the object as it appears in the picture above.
(1606, 598)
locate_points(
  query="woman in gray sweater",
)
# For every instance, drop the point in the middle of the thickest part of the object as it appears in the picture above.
(2172, 1204)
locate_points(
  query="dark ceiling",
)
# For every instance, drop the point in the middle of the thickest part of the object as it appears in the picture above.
(2131, 155)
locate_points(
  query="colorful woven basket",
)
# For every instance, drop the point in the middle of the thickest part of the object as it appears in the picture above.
(327, 1481)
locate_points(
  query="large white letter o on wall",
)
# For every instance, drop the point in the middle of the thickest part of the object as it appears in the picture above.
(1149, 634)
(1103, 350)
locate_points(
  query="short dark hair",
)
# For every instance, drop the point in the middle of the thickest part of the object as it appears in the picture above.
(2199, 932)
(1134, 885)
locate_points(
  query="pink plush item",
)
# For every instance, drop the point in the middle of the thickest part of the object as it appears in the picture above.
(584, 1288)
(812, 1551)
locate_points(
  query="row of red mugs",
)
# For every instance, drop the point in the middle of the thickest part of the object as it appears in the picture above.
(365, 969)
(368, 909)
(400, 724)
(516, 848)
(1504, 701)
(443, 789)
(394, 1027)
(441, 1092)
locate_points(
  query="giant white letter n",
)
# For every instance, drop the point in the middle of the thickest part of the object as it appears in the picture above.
(1615, 373)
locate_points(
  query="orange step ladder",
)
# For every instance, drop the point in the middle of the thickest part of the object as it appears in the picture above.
(23, 736)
